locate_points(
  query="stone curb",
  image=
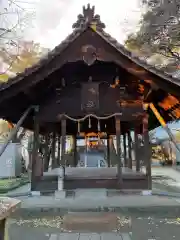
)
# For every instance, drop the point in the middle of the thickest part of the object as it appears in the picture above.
(168, 194)
(14, 195)
(154, 193)
(153, 210)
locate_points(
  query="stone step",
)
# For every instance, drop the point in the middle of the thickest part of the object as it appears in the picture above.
(90, 222)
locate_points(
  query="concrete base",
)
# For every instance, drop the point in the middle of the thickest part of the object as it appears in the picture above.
(35, 193)
(91, 193)
(147, 192)
(60, 194)
(60, 183)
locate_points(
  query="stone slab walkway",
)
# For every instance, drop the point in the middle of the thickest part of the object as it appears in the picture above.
(90, 236)
(166, 171)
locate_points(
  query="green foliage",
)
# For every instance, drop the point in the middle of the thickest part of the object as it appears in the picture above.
(159, 31)
(29, 53)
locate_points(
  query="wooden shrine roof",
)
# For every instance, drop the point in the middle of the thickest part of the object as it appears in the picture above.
(133, 64)
(109, 39)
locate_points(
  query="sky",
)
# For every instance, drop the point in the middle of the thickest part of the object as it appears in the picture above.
(52, 21)
(54, 18)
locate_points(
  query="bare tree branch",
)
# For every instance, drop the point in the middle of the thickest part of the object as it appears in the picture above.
(10, 31)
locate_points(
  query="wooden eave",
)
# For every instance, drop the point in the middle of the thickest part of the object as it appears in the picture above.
(126, 59)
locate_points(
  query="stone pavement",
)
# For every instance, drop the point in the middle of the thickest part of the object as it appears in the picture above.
(90, 236)
(131, 201)
(29, 234)
(167, 171)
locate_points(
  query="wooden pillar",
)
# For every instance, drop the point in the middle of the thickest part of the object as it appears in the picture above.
(46, 153)
(125, 150)
(63, 141)
(35, 149)
(118, 146)
(75, 160)
(136, 149)
(147, 150)
(129, 151)
(59, 150)
(54, 160)
(108, 151)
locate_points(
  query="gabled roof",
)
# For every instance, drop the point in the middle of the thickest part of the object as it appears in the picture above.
(84, 22)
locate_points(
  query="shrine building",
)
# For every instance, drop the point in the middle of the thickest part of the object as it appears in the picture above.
(88, 84)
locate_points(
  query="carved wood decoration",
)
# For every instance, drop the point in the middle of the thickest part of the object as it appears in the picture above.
(89, 54)
(88, 17)
(90, 97)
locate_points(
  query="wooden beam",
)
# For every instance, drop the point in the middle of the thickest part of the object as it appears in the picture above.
(15, 130)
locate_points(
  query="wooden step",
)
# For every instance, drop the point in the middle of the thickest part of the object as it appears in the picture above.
(47, 184)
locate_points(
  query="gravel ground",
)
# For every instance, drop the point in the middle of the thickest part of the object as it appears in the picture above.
(126, 228)
(155, 228)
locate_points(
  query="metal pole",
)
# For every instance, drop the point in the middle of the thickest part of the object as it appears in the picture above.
(164, 125)
(14, 130)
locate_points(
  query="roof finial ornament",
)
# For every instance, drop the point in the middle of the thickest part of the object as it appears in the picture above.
(89, 18)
